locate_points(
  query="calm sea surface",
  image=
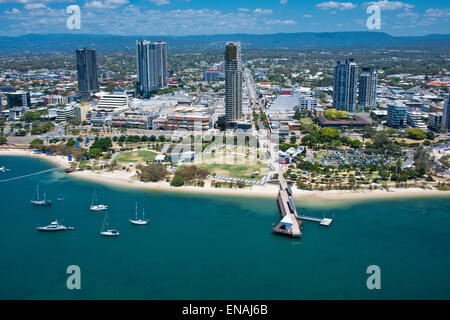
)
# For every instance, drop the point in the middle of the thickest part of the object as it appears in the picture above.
(214, 247)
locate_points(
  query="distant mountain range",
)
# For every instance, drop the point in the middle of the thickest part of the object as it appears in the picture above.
(304, 40)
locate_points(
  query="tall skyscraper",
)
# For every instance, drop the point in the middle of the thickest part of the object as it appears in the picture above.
(87, 70)
(151, 59)
(367, 88)
(345, 84)
(446, 115)
(233, 82)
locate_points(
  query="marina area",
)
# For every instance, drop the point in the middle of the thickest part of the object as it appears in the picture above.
(216, 245)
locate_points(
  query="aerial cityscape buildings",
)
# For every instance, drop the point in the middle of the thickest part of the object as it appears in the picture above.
(345, 85)
(367, 88)
(233, 82)
(87, 71)
(151, 60)
(446, 115)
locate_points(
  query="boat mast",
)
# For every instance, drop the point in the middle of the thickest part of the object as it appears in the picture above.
(93, 198)
(103, 224)
(136, 211)
(37, 192)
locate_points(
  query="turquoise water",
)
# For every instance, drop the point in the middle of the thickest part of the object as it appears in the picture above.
(214, 247)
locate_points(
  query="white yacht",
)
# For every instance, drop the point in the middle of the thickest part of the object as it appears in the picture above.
(38, 202)
(54, 226)
(137, 221)
(97, 207)
(105, 231)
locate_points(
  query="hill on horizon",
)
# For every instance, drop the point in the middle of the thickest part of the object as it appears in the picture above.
(302, 40)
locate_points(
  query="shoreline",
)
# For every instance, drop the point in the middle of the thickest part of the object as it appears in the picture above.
(124, 179)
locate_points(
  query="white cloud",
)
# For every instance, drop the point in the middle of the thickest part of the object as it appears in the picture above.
(32, 6)
(161, 2)
(390, 5)
(407, 13)
(244, 9)
(13, 11)
(105, 4)
(283, 1)
(336, 5)
(132, 19)
(307, 16)
(437, 13)
(262, 11)
(277, 21)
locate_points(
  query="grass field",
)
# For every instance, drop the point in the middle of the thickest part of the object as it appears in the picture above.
(235, 166)
(236, 170)
(136, 156)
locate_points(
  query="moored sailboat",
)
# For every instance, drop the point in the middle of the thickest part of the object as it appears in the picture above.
(38, 202)
(105, 231)
(137, 221)
(97, 207)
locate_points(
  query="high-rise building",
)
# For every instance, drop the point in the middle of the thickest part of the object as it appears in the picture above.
(345, 84)
(367, 89)
(151, 58)
(446, 115)
(396, 115)
(18, 99)
(233, 82)
(87, 71)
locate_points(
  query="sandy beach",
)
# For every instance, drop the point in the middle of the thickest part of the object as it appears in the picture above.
(128, 180)
(61, 161)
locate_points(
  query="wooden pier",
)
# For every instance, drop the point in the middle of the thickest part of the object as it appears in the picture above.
(291, 223)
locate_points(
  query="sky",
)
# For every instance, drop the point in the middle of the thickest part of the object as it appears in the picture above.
(197, 17)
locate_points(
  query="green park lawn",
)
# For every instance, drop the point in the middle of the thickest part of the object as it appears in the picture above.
(241, 171)
(136, 156)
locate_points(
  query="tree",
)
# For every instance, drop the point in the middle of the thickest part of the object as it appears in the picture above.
(177, 181)
(154, 172)
(30, 116)
(430, 135)
(3, 139)
(293, 139)
(380, 140)
(355, 143)
(71, 142)
(94, 153)
(190, 173)
(421, 161)
(416, 134)
(36, 144)
(103, 143)
(333, 114)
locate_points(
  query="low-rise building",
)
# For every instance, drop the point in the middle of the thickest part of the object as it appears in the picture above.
(396, 115)
(308, 103)
(414, 119)
(435, 120)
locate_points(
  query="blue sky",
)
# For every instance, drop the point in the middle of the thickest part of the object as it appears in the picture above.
(193, 17)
